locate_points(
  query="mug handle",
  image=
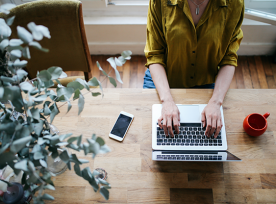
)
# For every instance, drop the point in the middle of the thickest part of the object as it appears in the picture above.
(266, 115)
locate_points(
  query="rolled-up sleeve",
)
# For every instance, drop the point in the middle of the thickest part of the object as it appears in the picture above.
(155, 49)
(231, 57)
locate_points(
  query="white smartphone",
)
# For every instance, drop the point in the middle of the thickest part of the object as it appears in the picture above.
(121, 126)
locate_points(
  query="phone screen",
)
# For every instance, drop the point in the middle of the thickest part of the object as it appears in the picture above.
(121, 125)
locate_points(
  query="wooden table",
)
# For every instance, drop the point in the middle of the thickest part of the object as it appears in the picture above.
(135, 178)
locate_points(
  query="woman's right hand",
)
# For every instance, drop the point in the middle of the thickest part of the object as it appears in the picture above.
(170, 116)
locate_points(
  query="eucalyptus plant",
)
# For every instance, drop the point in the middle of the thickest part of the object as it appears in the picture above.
(28, 108)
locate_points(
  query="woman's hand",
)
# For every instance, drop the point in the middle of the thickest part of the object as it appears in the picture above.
(170, 116)
(211, 119)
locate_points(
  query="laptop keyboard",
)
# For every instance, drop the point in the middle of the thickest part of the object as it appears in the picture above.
(190, 157)
(190, 134)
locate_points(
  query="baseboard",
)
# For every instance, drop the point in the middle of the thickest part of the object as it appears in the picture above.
(137, 48)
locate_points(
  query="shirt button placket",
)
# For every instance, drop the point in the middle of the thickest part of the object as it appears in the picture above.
(193, 66)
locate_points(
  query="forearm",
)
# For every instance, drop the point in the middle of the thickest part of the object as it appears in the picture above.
(222, 84)
(160, 80)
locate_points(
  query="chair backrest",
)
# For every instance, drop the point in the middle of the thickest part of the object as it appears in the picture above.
(68, 44)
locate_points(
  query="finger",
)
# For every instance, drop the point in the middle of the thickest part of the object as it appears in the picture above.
(159, 122)
(214, 126)
(165, 126)
(208, 126)
(219, 126)
(176, 124)
(203, 118)
(169, 126)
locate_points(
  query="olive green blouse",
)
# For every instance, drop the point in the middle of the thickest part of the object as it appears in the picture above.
(193, 55)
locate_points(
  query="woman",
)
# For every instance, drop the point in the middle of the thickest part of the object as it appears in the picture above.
(192, 44)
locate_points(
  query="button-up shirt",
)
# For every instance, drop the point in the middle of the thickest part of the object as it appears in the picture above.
(192, 55)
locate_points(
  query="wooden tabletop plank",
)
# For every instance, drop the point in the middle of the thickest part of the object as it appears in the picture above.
(135, 178)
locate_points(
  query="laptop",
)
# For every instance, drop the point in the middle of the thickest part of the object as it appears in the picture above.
(190, 144)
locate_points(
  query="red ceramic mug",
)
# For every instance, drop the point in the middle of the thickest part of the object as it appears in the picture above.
(255, 124)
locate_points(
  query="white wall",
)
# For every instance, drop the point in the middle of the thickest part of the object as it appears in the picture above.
(112, 37)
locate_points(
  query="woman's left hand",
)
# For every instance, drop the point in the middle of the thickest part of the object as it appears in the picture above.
(211, 119)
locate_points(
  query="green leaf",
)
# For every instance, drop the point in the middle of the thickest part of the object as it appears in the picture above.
(86, 148)
(41, 141)
(112, 81)
(19, 144)
(83, 82)
(77, 94)
(49, 84)
(73, 146)
(16, 42)
(47, 197)
(16, 54)
(44, 75)
(5, 30)
(38, 155)
(54, 112)
(96, 94)
(24, 35)
(6, 7)
(7, 79)
(36, 148)
(67, 92)
(81, 103)
(75, 85)
(49, 187)
(93, 82)
(126, 54)
(104, 182)
(100, 68)
(118, 77)
(118, 62)
(100, 141)
(43, 163)
(18, 63)
(83, 161)
(63, 75)
(75, 159)
(77, 170)
(35, 113)
(55, 72)
(72, 139)
(26, 86)
(26, 52)
(86, 174)
(112, 62)
(38, 46)
(60, 144)
(64, 156)
(39, 31)
(104, 149)
(122, 59)
(40, 97)
(6, 158)
(4, 44)
(104, 192)
(63, 137)
(38, 127)
(69, 106)
(79, 140)
(10, 20)
(4, 148)
(22, 165)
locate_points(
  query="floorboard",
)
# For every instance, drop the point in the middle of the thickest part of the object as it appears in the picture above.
(253, 72)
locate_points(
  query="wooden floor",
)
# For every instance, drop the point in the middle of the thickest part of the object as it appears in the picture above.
(253, 72)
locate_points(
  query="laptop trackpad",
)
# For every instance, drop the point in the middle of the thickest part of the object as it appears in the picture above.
(189, 113)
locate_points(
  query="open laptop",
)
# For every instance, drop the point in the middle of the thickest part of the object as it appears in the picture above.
(190, 144)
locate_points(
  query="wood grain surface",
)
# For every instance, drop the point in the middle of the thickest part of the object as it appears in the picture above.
(135, 178)
(257, 72)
